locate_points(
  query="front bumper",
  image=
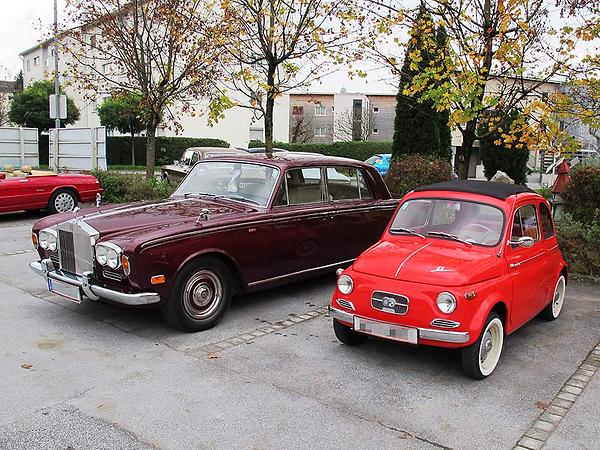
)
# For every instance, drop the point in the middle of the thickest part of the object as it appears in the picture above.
(429, 334)
(46, 270)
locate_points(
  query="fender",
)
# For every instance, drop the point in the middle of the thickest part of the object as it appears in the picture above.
(211, 250)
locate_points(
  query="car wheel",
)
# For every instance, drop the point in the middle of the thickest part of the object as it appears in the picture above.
(200, 296)
(62, 201)
(346, 335)
(481, 358)
(552, 311)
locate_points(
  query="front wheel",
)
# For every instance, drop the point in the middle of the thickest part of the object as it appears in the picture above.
(552, 311)
(481, 358)
(200, 296)
(62, 201)
(346, 335)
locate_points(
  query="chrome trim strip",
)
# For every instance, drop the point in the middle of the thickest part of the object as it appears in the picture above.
(267, 280)
(513, 265)
(410, 256)
(342, 316)
(46, 270)
(553, 248)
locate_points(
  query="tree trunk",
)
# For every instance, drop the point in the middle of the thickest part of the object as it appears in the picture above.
(269, 111)
(133, 149)
(463, 153)
(150, 148)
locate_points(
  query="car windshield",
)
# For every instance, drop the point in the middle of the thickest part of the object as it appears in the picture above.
(245, 182)
(460, 220)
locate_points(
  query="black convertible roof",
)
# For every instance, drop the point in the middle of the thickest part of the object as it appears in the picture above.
(489, 188)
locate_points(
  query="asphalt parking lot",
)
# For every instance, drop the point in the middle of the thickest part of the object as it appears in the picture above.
(272, 375)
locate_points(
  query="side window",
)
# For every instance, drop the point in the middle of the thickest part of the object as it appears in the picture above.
(546, 220)
(304, 186)
(346, 183)
(363, 185)
(194, 159)
(525, 223)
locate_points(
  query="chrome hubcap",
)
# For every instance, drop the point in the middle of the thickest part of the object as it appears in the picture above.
(202, 294)
(64, 202)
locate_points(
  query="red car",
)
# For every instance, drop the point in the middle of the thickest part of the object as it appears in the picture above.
(234, 224)
(46, 190)
(461, 265)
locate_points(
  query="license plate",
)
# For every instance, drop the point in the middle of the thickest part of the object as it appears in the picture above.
(66, 290)
(386, 330)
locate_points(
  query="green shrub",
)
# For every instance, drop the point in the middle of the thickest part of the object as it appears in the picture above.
(545, 191)
(579, 243)
(360, 150)
(582, 194)
(409, 172)
(126, 187)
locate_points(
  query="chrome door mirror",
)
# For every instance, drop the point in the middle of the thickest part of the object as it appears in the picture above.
(524, 241)
(175, 162)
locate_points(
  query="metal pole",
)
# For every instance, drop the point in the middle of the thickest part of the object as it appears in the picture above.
(56, 85)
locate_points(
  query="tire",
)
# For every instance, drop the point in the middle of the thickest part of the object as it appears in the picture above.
(553, 309)
(471, 356)
(63, 200)
(347, 336)
(201, 295)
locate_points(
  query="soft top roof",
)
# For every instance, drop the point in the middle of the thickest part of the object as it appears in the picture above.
(489, 188)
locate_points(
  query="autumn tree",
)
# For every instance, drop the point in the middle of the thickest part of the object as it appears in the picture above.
(279, 45)
(301, 128)
(124, 112)
(165, 51)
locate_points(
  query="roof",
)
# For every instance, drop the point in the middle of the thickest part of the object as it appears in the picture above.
(489, 188)
(292, 159)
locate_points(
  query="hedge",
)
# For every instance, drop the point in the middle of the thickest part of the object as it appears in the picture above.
(118, 149)
(127, 187)
(579, 243)
(360, 150)
(409, 172)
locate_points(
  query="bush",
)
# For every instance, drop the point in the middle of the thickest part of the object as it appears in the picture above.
(126, 187)
(409, 172)
(582, 193)
(579, 243)
(545, 191)
(360, 150)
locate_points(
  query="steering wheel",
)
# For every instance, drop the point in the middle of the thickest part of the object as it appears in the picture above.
(480, 226)
(488, 238)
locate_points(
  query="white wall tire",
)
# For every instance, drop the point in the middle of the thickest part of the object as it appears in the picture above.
(554, 308)
(481, 358)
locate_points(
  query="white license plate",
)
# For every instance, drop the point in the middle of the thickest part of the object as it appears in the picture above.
(386, 330)
(66, 290)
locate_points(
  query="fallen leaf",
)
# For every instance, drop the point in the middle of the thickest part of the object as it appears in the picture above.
(542, 405)
(26, 366)
(213, 356)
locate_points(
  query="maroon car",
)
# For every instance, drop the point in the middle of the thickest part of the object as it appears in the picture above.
(234, 225)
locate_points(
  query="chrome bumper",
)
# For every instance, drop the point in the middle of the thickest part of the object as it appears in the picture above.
(45, 269)
(454, 337)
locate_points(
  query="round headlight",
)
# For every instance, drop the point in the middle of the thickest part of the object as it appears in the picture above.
(43, 240)
(345, 284)
(51, 242)
(112, 258)
(446, 302)
(101, 256)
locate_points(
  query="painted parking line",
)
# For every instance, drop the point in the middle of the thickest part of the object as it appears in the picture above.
(547, 422)
(17, 252)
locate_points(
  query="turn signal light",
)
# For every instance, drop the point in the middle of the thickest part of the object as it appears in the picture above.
(34, 240)
(125, 265)
(470, 295)
(157, 279)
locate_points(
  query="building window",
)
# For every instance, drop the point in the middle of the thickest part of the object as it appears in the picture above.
(36, 61)
(320, 110)
(28, 65)
(257, 134)
(375, 130)
(320, 131)
(376, 109)
(297, 110)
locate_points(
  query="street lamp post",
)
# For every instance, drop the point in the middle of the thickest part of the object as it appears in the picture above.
(56, 86)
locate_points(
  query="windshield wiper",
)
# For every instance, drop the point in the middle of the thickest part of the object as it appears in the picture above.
(449, 236)
(240, 198)
(197, 194)
(407, 230)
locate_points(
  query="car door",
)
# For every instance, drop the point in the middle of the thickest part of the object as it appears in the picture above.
(17, 193)
(527, 266)
(303, 223)
(359, 221)
(553, 256)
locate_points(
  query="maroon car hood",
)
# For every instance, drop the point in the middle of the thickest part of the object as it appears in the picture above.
(150, 216)
(432, 261)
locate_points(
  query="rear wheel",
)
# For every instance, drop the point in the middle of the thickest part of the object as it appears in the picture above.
(346, 335)
(481, 358)
(62, 201)
(552, 311)
(200, 296)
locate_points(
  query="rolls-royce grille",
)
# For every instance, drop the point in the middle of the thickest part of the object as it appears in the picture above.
(67, 251)
(75, 249)
(55, 260)
(392, 303)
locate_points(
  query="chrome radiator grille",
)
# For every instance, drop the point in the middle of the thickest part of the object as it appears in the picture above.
(75, 251)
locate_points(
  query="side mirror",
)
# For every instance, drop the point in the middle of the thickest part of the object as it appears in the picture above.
(524, 241)
(176, 162)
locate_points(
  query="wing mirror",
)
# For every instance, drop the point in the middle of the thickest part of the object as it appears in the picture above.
(175, 162)
(524, 241)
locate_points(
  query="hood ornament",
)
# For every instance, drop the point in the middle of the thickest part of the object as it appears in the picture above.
(441, 269)
(203, 217)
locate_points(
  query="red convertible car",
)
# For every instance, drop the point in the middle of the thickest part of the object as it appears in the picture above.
(234, 224)
(46, 190)
(461, 265)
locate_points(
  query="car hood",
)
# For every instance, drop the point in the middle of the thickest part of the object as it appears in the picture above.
(432, 261)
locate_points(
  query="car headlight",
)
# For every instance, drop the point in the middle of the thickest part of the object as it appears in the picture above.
(345, 284)
(108, 254)
(47, 239)
(446, 302)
